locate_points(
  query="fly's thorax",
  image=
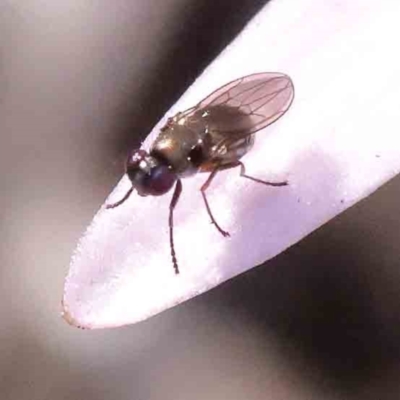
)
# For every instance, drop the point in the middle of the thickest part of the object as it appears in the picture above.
(234, 150)
(183, 146)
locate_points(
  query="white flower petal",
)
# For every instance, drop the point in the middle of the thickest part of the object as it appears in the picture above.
(337, 144)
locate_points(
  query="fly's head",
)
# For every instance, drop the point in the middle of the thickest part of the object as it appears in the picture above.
(150, 176)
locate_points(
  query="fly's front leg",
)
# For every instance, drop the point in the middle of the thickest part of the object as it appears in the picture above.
(118, 203)
(174, 202)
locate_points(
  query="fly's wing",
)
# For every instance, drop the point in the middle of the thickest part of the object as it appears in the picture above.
(245, 105)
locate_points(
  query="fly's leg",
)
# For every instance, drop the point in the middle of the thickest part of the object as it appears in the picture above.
(243, 174)
(118, 203)
(172, 205)
(214, 172)
(203, 190)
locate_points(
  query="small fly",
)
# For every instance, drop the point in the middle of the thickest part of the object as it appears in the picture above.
(210, 137)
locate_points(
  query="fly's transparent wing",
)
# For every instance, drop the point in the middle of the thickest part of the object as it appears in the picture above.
(246, 105)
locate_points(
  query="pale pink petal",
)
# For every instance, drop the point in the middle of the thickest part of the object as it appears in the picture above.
(338, 143)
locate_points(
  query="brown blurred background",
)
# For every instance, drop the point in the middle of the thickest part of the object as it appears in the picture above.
(79, 85)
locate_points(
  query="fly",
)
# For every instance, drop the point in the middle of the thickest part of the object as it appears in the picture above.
(210, 137)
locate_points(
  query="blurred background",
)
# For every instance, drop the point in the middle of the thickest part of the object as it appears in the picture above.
(79, 85)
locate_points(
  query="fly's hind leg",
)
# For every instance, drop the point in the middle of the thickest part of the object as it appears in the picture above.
(243, 174)
(214, 172)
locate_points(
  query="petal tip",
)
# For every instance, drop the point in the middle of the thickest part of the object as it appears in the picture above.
(69, 318)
